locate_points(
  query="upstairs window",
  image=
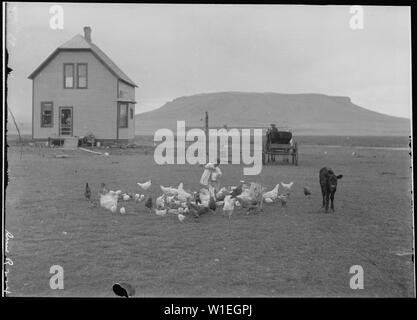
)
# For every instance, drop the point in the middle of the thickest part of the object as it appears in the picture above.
(82, 75)
(47, 113)
(123, 114)
(68, 75)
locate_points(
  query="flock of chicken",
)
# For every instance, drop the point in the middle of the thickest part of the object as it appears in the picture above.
(185, 203)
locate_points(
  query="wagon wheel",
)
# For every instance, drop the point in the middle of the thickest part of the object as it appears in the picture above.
(264, 150)
(295, 155)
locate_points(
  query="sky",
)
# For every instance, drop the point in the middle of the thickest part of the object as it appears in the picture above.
(179, 50)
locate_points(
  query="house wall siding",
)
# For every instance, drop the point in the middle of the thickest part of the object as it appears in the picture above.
(94, 108)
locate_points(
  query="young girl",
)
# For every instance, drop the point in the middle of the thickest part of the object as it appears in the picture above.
(210, 177)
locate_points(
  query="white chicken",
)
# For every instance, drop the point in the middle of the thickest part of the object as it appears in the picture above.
(287, 185)
(169, 191)
(137, 196)
(182, 194)
(170, 199)
(122, 210)
(109, 201)
(173, 211)
(145, 185)
(161, 212)
(126, 197)
(181, 217)
(272, 194)
(160, 201)
(229, 205)
(221, 193)
(268, 200)
(245, 195)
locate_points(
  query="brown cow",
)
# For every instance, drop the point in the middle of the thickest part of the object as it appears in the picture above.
(328, 184)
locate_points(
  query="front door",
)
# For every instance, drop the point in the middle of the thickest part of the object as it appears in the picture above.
(65, 121)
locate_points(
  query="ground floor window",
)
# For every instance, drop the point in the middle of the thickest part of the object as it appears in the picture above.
(123, 115)
(131, 113)
(47, 112)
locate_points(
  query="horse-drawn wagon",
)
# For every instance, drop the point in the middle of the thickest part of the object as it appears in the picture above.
(279, 143)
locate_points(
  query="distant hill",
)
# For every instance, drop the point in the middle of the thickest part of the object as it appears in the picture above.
(304, 114)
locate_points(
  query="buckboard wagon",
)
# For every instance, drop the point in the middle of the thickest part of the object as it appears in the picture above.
(279, 143)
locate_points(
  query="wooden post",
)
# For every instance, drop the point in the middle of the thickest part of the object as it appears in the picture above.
(18, 132)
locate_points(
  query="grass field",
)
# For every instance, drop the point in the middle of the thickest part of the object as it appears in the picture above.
(294, 251)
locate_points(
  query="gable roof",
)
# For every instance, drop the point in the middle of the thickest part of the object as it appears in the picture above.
(78, 42)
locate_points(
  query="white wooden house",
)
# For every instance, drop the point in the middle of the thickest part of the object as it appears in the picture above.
(78, 90)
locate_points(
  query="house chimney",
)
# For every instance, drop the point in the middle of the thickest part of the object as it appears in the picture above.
(87, 34)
